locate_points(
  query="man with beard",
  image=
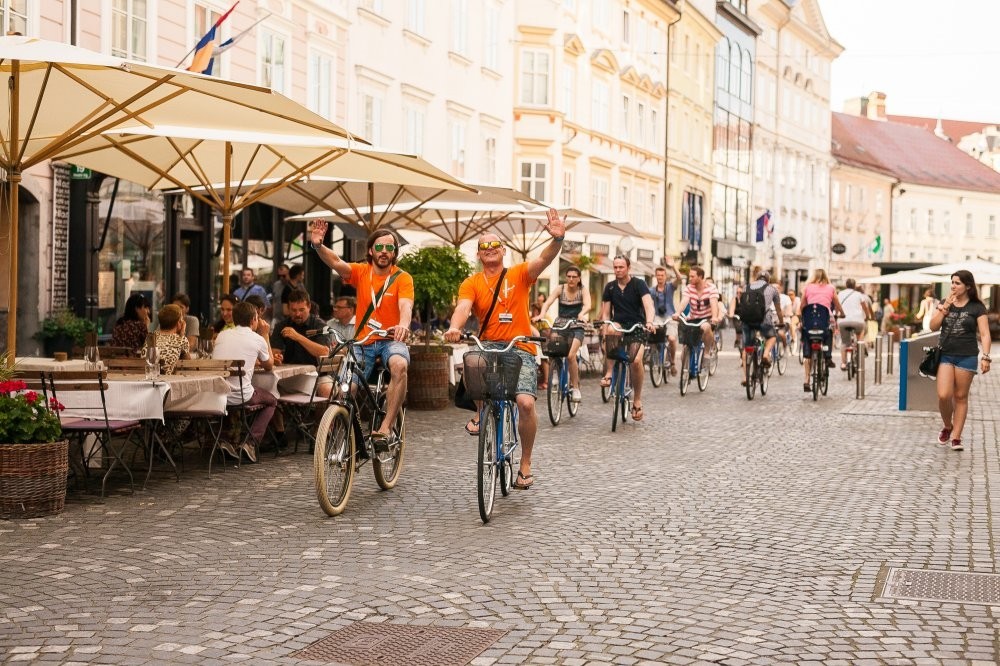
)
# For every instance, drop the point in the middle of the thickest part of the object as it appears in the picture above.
(509, 320)
(384, 301)
(299, 338)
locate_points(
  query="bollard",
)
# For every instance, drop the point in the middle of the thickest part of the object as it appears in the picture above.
(878, 360)
(862, 352)
(890, 360)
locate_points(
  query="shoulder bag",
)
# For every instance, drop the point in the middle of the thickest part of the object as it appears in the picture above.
(932, 357)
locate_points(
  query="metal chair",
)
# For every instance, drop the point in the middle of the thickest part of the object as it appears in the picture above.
(301, 409)
(213, 420)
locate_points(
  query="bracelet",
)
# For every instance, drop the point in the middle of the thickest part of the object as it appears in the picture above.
(558, 239)
(986, 357)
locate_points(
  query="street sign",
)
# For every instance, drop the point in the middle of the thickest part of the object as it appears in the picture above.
(788, 242)
(838, 248)
(79, 173)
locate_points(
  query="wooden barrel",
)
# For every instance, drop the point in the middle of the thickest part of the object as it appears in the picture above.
(427, 379)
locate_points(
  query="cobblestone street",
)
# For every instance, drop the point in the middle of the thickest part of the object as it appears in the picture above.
(717, 530)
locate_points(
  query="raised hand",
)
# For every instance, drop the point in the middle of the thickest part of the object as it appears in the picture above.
(317, 231)
(555, 225)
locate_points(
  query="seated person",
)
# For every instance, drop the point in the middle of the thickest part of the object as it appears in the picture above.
(171, 338)
(260, 305)
(226, 304)
(242, 342)
(132, 327)
(299, 338)
(192, 328)
(343, 320)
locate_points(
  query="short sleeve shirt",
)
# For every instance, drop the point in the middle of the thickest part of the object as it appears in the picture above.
(821, 294)
(851, 302)
(701, 304)
(368, 287)
(510, 317)
(293, 352)
(172, 346)
(626, 304)
(771, 296)
(960, 330)
(240, 343)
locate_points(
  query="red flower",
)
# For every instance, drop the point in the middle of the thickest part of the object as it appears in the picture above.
(56, 405)
(31, 397)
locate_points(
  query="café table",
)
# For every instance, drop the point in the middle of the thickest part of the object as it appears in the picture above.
(292, 378)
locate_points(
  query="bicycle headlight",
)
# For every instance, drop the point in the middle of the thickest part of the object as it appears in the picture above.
(344, 388)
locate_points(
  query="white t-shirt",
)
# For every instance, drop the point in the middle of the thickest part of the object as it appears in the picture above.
(241, 343)
(786, 304)
(851, 301)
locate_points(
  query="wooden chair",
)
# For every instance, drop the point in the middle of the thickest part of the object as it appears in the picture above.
(213, 420)
(128, 366)
(92, 418)
(219, 365)
(302, 410)
(115, 352)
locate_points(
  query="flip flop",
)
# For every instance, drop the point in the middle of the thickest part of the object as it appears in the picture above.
(524, 486)
(636, 413)
(473, 423)
(606, 382)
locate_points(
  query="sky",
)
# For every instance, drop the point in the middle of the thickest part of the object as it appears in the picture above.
(930, 58)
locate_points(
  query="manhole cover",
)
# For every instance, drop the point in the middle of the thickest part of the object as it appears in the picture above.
(947, 586)
(376, 644)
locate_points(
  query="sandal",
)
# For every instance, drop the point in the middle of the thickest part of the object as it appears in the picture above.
(472, 427)
(529, 481)
(605, 382)
(636, 413)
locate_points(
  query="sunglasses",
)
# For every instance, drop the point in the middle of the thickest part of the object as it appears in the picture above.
(388, 247)
(490, 245)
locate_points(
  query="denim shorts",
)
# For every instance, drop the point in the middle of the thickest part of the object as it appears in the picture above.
(766, 331)
(970, 363)
(527, 380)
(383, 349)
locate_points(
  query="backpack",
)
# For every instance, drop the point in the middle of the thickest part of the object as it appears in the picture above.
(751, 307)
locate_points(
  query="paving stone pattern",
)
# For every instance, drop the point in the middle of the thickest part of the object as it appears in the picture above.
(717, 530)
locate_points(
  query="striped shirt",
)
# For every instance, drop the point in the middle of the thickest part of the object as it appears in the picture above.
(701, 304)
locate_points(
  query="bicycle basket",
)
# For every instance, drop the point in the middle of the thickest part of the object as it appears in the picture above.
(556, 346)
(659, 335)
(491, 375)
(618, 347)
(690, 335)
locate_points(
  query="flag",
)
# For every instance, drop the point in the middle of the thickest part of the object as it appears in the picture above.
(203, 50)
(231, 42)
(764, 224)
(877, 245)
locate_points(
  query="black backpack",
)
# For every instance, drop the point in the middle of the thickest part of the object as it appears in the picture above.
(752, 309)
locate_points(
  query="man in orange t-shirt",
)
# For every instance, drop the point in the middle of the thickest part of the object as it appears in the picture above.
(509, 319)
(393, 308)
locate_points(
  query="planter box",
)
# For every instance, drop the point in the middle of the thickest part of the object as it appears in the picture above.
(33, 479)
(427, 379)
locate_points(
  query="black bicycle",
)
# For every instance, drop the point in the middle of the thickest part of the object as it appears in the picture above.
(559, 391)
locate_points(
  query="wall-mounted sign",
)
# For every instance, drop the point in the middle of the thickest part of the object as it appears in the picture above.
(838, 248)
(788, 242)
(79, 173)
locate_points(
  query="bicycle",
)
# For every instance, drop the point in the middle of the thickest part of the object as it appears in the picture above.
(713, 358)
(815, 321)
(779, 353)
(621, 346)
(656, 357)
(343, 437)
(852, 356)
(754, 373)
(692, 356)
(559, 391)
(491, 375)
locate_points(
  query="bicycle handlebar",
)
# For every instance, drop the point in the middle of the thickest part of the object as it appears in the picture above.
(341, 341)
(569, 323)
(615, 326)
(510, 344)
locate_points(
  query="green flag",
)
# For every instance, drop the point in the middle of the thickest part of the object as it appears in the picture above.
(877, 245)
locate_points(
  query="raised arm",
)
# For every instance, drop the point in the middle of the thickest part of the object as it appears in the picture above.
(317, 232)
(557, 230)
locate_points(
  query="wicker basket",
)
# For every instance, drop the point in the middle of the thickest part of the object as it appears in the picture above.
(556, 346)
(623, 347)
(33, 479)
(491, 375)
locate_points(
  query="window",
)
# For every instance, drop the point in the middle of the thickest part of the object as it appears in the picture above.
(416, 10)
(626, 117)
(272, 61)
(930, 220)
(599, 196)
(835, 194)
(623, 204)
(460, 26)
(456, 149)
(534, 77)
(490, 159)
(638, 209)
(600, 111)
(970, 225)
(374, 5)
(371, 113)
(567, 193)
(600, 13)
(913, 219)
(946, 221)
(722, 65)
(735, 67)
(991, 227)
(491, 44)
(861, 199)
(640, 132)
(533, 179)
(848, 198)
(653, 211)
(567, 96)
(879, 201)
(128, 26)
(626, 27)
(653, 119)
(321, 84)
(413, 130)
(746, 77)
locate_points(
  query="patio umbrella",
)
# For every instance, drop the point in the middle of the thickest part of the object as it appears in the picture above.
(59, 96)
(902, 277)
(525, 233)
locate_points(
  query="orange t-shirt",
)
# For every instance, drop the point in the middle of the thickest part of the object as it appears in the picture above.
(510, 317)
(368, 285)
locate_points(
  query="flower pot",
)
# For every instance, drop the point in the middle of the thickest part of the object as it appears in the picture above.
(33, 479)
(427, 379)
(60, 343)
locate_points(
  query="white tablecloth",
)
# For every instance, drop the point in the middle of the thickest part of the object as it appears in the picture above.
(457, 352)
(286, 379)
(30, 363)
(130, 397)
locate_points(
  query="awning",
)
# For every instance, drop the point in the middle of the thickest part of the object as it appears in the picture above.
(640, 267)
(603, 265)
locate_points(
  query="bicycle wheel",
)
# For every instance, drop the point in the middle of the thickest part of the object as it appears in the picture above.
(486, 479)
(618, 393)
(824, 377)
(571, 406)
(685, 369)
(507, 464)
(387, 466)
(782, 358)
(656, 364)
(333, 460)
(555, 391)
(765, 375)
(802, 353)
(750, 375)
(852, 368)
(702, 369)
(713, 359)
(606, 392)
(817, 358)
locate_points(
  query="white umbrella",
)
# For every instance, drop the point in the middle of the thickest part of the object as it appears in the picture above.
(902, 277)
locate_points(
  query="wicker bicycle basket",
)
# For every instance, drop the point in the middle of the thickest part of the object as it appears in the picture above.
(623, 347)
(659, 335)
(491, 375)
(556, 346)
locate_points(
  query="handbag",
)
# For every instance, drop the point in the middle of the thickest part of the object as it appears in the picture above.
(932, 359)
(462, 399)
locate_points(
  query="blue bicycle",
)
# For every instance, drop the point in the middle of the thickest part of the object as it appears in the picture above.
(491, 375)
(657, 359)
(621, 345)
(693, 362)
(559, 391)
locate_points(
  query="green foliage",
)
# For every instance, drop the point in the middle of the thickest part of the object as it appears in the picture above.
(584, 262)
(437, 273)
(64, 322)
(24, 416)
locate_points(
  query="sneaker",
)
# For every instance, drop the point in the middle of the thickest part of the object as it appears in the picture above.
(228, 447)
(944, 436)
(251, 452)
(830, 363)
(956, 445)
(575, 395)
(807, 387)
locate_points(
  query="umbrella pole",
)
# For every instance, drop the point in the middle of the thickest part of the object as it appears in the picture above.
(13, 185)
(227, 225)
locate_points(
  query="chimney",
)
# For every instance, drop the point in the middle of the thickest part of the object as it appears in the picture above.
(876, 106)
(856, 106)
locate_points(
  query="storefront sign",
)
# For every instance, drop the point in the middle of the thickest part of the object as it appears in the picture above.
(838, 248)
(788, 242)
(79, 173)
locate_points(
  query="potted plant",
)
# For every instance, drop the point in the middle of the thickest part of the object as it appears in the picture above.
(61, 330)
(34, 458)
(437, 273)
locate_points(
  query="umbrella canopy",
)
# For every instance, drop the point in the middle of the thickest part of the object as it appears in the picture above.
(902, 277)
(60, 96)
(985, 272)
(526, 233)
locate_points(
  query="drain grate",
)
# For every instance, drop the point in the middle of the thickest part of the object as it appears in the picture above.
(371, 644)
(946, 586)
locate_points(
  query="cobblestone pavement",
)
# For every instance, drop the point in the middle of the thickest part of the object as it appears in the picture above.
(717, 530)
